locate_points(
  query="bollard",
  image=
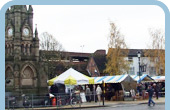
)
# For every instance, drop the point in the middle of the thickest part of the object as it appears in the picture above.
(32, 101)
(54, 102)
(8, 102)
(103, 92)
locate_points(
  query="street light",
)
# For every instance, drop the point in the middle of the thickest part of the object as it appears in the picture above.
(139, 55)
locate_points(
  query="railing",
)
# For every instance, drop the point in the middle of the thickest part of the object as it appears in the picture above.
(58, 101)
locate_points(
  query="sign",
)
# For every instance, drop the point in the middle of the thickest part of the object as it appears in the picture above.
(83, 97)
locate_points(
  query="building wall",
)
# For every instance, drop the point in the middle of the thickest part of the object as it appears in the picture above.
(144, 61)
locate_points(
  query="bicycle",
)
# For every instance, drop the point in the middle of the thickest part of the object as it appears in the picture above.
(26, 102)
(73, 100)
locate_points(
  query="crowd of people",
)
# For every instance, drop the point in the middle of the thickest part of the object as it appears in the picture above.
(142, 88)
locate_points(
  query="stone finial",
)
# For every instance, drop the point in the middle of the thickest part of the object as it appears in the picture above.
(36, 32)
(30, 10)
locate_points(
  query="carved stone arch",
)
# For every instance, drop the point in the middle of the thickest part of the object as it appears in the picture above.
(9, 75)
(28, 75)
(8, 68)
(31, 66)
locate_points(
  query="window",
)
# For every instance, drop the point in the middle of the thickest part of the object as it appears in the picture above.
(143, 68)
(130, 59)
(152, 71)
(131, 71)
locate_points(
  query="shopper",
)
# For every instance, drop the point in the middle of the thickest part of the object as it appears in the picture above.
(99, 92)
(150, 92)
(88, 94)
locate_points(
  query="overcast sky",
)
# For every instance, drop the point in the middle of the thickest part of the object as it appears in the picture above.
(88, 25)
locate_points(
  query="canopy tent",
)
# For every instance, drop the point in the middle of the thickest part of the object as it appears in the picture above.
(126, 81)
(144, 78)
(51, 81)
(159, 78)
(73, 77)
(112, 79)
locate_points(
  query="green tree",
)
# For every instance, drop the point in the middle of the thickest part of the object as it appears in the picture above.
(116, 62)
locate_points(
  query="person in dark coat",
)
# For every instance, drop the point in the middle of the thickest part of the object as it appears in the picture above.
(156, 90)
(150, 93)
(139, 89)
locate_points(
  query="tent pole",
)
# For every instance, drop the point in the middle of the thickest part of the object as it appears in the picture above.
(123, 88)
(70, 91)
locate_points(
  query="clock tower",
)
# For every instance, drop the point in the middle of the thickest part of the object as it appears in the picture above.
(20, 41)
(22, 64)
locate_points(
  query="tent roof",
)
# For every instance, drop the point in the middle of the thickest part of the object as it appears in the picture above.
(144, 77)
(158, 78)
(112, 79)
(51, 81)
(73, 77)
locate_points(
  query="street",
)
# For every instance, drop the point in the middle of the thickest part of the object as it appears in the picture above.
(130, 107)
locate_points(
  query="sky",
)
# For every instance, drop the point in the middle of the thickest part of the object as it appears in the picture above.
(85, 28)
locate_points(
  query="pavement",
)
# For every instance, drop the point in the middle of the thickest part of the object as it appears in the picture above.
(161, 100)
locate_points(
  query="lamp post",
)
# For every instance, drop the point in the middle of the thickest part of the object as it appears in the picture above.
(139, 55)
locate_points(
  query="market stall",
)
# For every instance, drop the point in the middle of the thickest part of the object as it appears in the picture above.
(143, 78)
(159, 78)
(73, 77)
(117, 87)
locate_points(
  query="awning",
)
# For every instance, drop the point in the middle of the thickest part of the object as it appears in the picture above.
(111, 79)
(144, 78)
(159, 78)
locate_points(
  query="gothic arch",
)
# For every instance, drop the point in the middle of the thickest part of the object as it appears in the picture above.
(8, 71)
(9, 75)
(31, 67)
(28, 75)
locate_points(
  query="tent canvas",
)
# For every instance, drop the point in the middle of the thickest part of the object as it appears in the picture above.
(126, 81)
(51, 81)
(143, 78)
(159, 78)
(73, 77)
(112, 79)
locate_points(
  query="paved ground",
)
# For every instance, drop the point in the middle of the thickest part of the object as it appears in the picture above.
(117, 105)
(130, 107)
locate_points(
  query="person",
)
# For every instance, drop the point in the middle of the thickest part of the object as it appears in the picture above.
(156, 90)
(139, 89)
(88, 93)
(94, 93)
(99, 92)
(150, 92)
(132, 91)
(77, 92)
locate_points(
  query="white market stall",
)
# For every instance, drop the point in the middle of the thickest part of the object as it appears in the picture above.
(124, 82)
(73, 77)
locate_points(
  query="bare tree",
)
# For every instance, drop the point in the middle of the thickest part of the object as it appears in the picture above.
(157, 52)
(116, 62)
(52, 53)
(49, 43)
